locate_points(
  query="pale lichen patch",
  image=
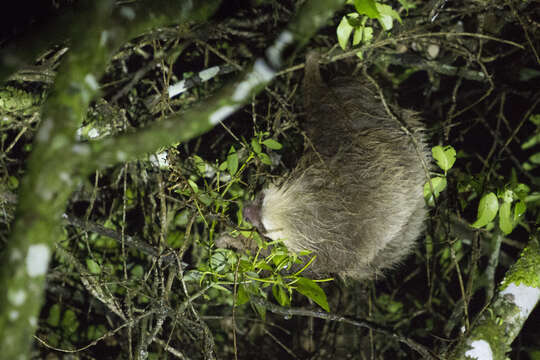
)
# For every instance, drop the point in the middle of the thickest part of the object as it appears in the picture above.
(103, 38)
(160, 160)
(274, 52)
(121, 156)
(209, 73)
(13, 315)
(81, 149)
(480, 349)
(32, 320)
(261, 74)
(64, 176)
(37, 260)
(93, 133)
(177, 88)
(91, 81)
(127, 12)
(44, 132)
(17, 297)
(221, 113)
(524, 297)
(15, 255)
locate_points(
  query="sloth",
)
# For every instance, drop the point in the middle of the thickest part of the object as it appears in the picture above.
(355, 199)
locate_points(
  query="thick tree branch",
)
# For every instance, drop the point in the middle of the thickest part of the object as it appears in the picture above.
(53, 168)
(497, 327)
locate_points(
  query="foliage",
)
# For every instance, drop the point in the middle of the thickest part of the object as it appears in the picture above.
(358, 23)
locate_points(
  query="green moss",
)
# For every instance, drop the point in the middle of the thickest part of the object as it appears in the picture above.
(526, 270)
(13, 100)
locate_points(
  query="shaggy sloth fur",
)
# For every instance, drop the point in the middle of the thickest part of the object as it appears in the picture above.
(355, 198)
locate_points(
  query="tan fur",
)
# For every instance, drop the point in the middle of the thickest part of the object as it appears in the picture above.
(355, 199)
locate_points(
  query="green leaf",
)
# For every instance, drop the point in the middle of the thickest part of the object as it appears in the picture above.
(272, 144)
(487, 210)
(519, 209)
(193, 186)
(261, 310)
(444, 156)
(255, 145)
(265, 159)
(200, 164)
(367, 7)
(535, 119)
(439, 184)
(242, 295)
(363, 34)
(12, 183)
(385, 19)
(507, 196)
(311, 290)
(530, 142)
(93, 267)
(407, 5)
(344, 31)
(137, 272)
(506, 222)
(281, 295)
(232, 161)
(535, 158)
(388, 15)
(522, 190)
(70, 322)
(54, 316)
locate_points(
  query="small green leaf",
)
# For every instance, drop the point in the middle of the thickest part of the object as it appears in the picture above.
(407, 5)
(200, 164)
(93, 267)
(261, 310)
(519, 209)
(385, 20)
(242, 295)
(444, 156)
(281, 295)
(343, 32)
(522, 190)
(507, 196)
(311, 290)
(54, 316)
(387, 16)
(363, 34)
(206, 199)
(70, 322)
(439, 184)
(487, 210)
(506, 222)
(367, 7)
(535, 119)
(255, 145)
(232, 161)
(137, 272)
(193, 186)
(535, 158)
(272, 144)
(12, 183)
(530, 142)
(265, 159)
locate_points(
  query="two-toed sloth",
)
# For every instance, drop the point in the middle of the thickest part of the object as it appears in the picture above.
(355, 198)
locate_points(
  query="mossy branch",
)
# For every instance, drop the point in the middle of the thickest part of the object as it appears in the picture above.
(498, 325)
(58, 162)
(53, 168)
